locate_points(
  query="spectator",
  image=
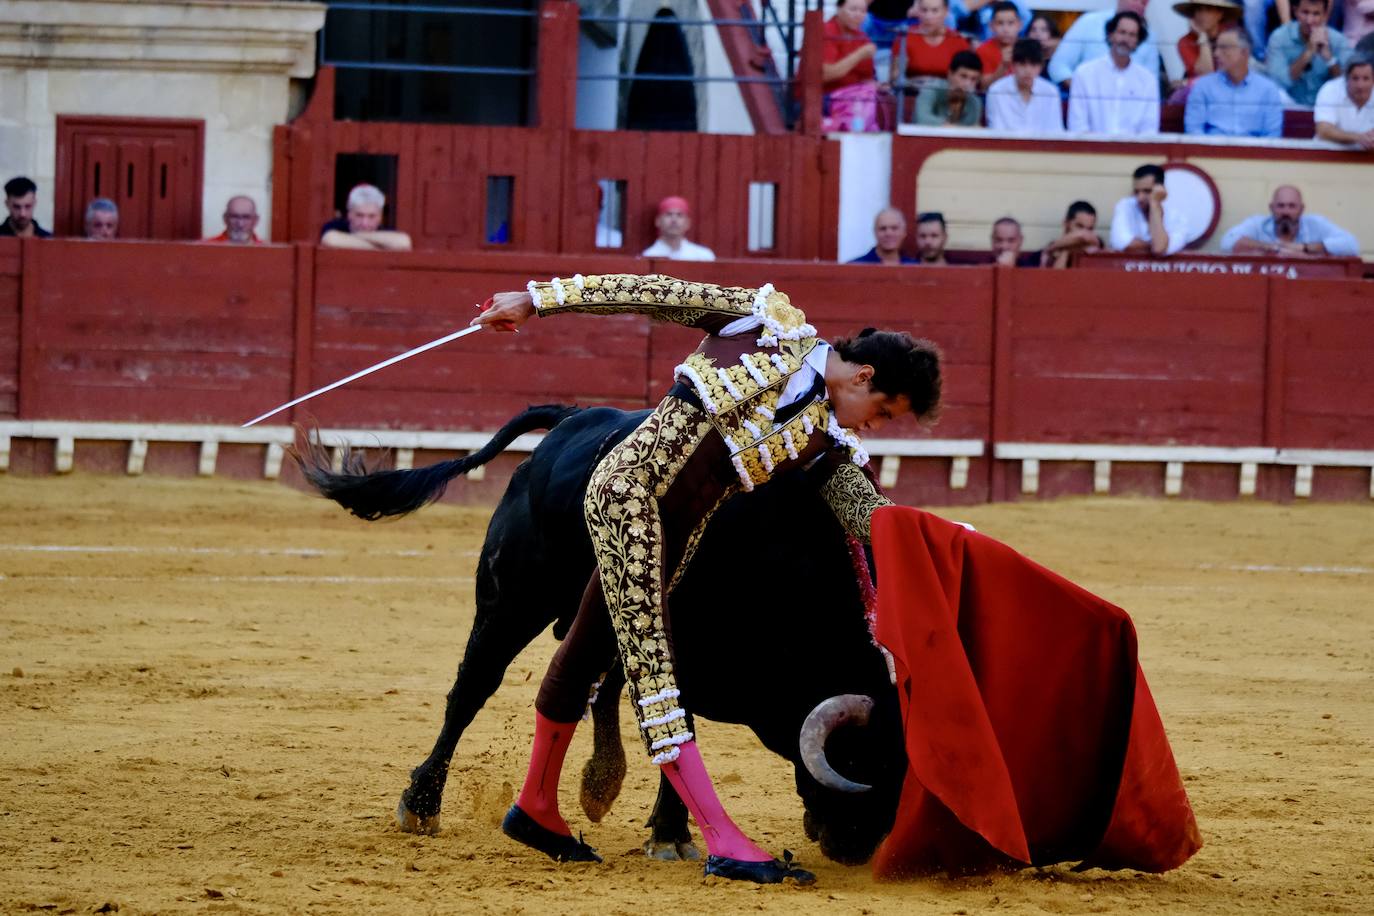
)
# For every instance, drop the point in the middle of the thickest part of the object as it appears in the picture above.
(1206, 20)
(1090, 38)
(1025, 102)
(1006, 242)
(931, 49)
(931, 237)
(889, 232)
(1080, 235)
(1365, 46)
(1288, 232)
(673, 221)
(974, 17)
(847, 75)
(1233, 102)
(1046, 31)
(1359, 20)
(1256, 19)
(1115, 94)
(240, 222)
(953, 102)
(361, 226)
(995, 53)
(887, 20)
(1141, 223)
(1305, 54)
(102, 220)
(1344, 112)
(20, 196)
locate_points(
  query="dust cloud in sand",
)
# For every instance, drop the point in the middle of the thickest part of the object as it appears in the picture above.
(213, 693)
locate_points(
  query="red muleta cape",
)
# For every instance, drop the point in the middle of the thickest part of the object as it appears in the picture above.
(1031, 736)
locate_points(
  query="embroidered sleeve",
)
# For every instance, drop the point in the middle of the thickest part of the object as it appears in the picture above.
(697, 305)
(852, 497)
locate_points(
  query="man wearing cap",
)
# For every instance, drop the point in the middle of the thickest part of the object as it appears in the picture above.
(673, 221)
(1206, 20)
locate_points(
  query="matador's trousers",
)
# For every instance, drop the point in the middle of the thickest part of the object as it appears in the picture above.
(647, 503)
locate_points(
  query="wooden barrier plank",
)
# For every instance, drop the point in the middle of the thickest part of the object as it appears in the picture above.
(1328, 379)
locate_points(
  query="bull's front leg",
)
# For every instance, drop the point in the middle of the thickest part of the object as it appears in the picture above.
(669, 839)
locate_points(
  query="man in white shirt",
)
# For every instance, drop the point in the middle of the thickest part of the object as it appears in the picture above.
(1141, 224)
(673, 221)
(1344, 111)
(1114, 94)
(1025, 102)
(1084, 41)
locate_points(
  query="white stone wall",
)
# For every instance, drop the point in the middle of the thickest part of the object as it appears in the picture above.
(229, 64)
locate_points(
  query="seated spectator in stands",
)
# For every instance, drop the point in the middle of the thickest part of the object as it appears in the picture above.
(931, 48)
(1359, 20)
(1234, 102)
(1365, 46)
(1090, 38)
(884, 26)
(1344, 112)
(1114, 94)
(1305, 54)
(1046, 31)
(1256, 21)
(995, 53)
(1080, 235)
(931, 237)
(361, 227)
(240, 222)
(953, 102)
(1206, 20)
(847, 76)
(21, 195)
(974, 17)
(1007, 240)
(673, 220)
(889, 234)
(1025, 102)
(1141, 223)
(102, 220)
(1287, 232)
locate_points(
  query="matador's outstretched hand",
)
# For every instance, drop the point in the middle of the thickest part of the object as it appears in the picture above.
(507, 312)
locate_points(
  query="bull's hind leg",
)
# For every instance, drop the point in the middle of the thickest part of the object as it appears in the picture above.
(501, 631)
(669, 839)
(604, 772)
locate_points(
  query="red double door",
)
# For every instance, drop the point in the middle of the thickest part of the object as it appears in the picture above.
(152, 168)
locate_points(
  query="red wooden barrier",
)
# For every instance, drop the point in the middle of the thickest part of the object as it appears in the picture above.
(9, 327)
(154, 332)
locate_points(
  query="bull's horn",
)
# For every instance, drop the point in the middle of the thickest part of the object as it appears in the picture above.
(846, 709)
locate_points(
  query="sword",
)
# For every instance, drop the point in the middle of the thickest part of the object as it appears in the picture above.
(368, 371)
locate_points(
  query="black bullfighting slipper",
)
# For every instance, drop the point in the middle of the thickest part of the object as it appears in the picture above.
(522, 828)
(774, 871)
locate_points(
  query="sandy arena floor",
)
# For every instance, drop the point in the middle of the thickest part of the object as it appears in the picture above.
(213, 693)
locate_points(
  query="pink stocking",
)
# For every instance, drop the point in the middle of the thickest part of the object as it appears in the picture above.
(693, 786)
(539, 796)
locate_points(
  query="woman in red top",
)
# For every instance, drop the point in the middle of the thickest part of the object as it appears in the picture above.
(848, 52)
(929, 50)
(1206, 20)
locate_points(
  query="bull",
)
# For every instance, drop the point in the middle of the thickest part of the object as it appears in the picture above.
(798, 668)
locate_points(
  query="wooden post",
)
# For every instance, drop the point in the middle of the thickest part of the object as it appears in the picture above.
(813, 54)
(1000, 413)
(28, 327)
(556, 69)
(304, 330)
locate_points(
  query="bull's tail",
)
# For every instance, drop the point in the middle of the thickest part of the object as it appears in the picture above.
(372, 495)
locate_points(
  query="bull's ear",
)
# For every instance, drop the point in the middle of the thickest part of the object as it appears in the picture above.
(830, 714)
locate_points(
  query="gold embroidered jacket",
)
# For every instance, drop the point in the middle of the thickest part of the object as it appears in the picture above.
(740, 378)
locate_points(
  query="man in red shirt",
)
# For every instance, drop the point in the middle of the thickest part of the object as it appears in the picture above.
(995, 53)
(848, 53)
(240, 221)
(929, 50)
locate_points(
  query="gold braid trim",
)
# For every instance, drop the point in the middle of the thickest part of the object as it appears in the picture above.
(851, 496)
(664, 298)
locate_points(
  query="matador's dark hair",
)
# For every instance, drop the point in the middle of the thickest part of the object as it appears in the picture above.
(902, 364)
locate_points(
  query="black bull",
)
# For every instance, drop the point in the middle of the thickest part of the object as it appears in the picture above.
(768, 623)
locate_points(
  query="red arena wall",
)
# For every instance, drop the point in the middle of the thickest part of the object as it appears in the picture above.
(192, 334)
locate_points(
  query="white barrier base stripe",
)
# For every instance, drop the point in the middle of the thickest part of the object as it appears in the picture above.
(1277, 568)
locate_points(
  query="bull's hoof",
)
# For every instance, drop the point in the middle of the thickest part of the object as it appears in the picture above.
(410, 822)
(671, 852)
(601, 781)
